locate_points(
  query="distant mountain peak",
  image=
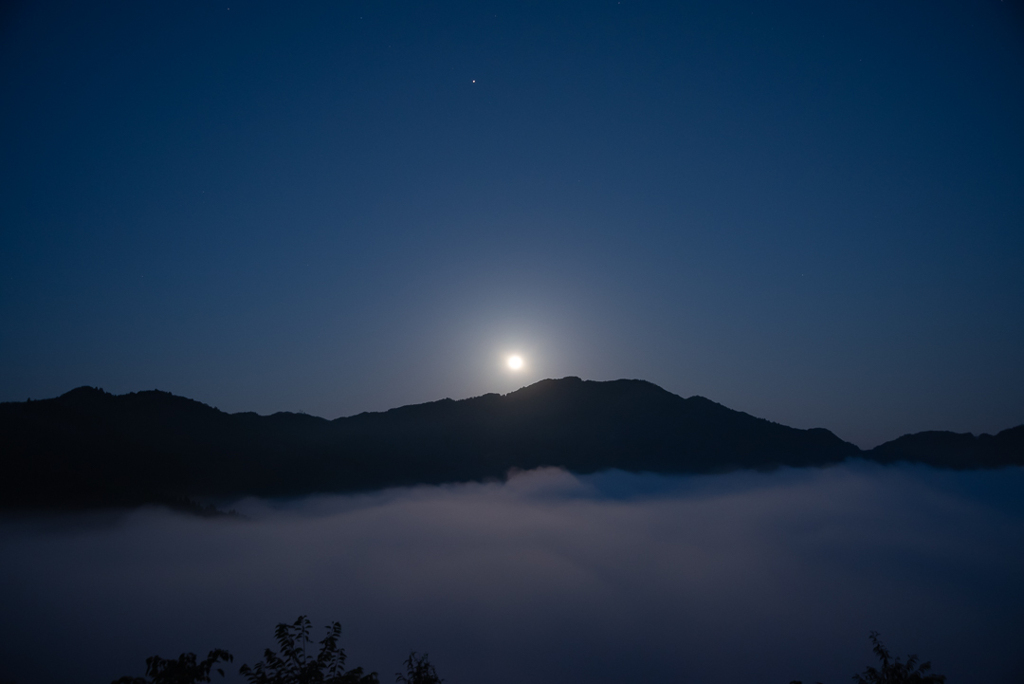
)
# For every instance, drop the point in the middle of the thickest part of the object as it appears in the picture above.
(89, 447)
(85, 391)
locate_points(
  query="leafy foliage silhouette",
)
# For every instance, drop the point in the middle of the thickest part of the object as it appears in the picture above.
(295, 664)
(418, 671)
(184, 670)
(895, 672)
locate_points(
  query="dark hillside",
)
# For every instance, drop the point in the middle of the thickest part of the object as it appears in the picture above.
(955, 450)
(90, 448)
(588, 426)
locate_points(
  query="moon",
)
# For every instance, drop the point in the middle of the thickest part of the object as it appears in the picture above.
(515, 362)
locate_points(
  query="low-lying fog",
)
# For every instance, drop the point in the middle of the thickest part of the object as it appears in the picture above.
(549, 577)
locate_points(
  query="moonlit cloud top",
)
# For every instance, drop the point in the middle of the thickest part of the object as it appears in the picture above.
(547, 577)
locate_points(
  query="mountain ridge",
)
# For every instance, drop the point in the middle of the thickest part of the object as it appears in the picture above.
(89, 448)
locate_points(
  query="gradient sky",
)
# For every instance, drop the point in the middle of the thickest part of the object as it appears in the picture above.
(813, 212)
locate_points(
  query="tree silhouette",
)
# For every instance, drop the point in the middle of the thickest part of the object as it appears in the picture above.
(184, 670)
(895, 672)
(295, 664)
(418, 671)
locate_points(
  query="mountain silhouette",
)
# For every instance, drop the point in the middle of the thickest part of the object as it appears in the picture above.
(89, 448)
(955, 450)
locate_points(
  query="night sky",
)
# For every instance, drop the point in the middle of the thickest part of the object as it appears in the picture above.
(809, 211)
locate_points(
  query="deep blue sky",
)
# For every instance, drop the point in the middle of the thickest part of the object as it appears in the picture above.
(813, 212)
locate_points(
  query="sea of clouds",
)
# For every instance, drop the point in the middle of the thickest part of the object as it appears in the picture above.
(547, 577)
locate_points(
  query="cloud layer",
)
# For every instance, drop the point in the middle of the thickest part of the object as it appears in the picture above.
(547, 577)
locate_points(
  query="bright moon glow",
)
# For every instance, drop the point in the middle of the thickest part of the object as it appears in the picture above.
(515, 362)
